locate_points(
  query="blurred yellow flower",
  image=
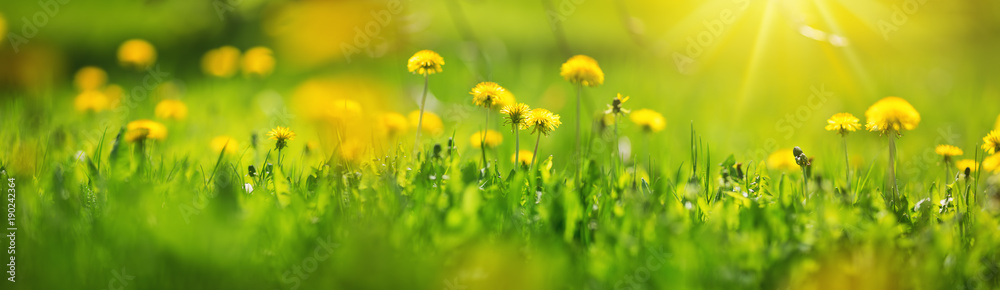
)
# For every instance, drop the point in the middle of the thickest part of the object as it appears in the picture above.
(992, 163)
(425, 62)
(136, 54)
(258, 61)
(543, 121)
(516, 115)
(967, 163)
(891, 114)
(948, 151)
(224, 142)
(90, 78)
(525, 157)
(506, 98)
(492, 139)
(432, 123)
(171, 109)
(486, 94)
(221, 62)
(649, 120)
(843, 123)
(139, 130)
(393, 124)
(282, 135)
(94, 101)
(782, 160)
(352, 151)
(582, 69)
(343, 110)
(991, 143)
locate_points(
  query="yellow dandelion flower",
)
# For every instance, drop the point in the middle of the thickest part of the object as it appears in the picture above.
(140, 130)
(525, 157)
(258, 61)
(425, 62)
(171, 109)
(843, 123)
(506, 98)
(343, 110)
(615, 107)
(492, 139)
(582, 69)
(991, 143)
(136, 54)
(516, 115)
(352, 151)
(992, 163)
(486, 94)
(90, 78)
(224, 142)
(948, 151)
(967, 163)
(221, 62)
(649, 120)
(282, 135)
(393, 124)
(782, 160)
(543, 121)
(891, 114)
(93, 101)
(432, 123)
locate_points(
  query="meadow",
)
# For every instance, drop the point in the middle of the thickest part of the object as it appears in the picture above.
(421, 145)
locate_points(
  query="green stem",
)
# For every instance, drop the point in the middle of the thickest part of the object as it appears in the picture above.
(579, 156)
(534, 155)
(517, 147)
(847, 166)
(892, 169)
(482, 141)
(420, 119)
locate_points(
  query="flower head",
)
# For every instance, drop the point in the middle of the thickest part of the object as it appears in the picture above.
(94, 101)
(891, 114)
(615, 107)
(492, 139)
(506, 98)
(948, 151)
(486, 94)
(393, 124)
(843, 123)
(516, 115)
(226, 143)
(991, 143)
(432, 124)
(90, 78)
(221, 62)
(649, 120)
(136, 54)
(523, 157)
(783, 160)
(140, 130)
(352, 150)
(967, 163)
(258, 61)
(992, 163)
(543, 121)
(425, 62)
(283, 135)
(582, 69)
(171, 109)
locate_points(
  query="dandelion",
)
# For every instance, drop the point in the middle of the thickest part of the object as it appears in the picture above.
(221, 62)
(486, 95)
(224, 143)
(891, 116)
(947, 152)
(522, 158)
(393, 124)
(542, 122)
(136, 54)
(490, 138)
(969, 164)
(171, 109)
(844, 123)
(991, 143)
(783, 160)
(258, 61)
(90, 78)
(140, 130)
(803, 162)
(615, 111)
(992, 163)
(581, 70)
(506, 99)
(425, 62)
(517, 115)
(352, 151)
(432, 124)
(650, 121)
(92, 101)
(282, 135)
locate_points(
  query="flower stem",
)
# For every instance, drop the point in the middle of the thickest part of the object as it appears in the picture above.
(517, 148)
(420, 119)
(892, 169)
(534, 155)
(579, 157)
(847, 166)
(482, 141)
